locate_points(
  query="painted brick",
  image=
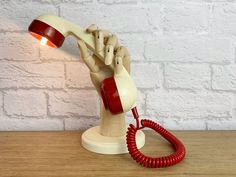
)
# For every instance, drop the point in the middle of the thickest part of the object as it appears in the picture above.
(28, 75)
(17, 15)
(25, 103)
(1, 104)
(187, 76)
(224, 15)
(146, 75)
(221, 124)
(190, 49)
(224, 77)
(187, 105)
(155, 16)
(18, 46)
(135, 44)
(73, 103)
(77, 75)
(185, 18)
(111, 2)
(116, 19)
(185, 124)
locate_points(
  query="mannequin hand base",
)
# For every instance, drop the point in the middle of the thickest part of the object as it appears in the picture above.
(92, 140)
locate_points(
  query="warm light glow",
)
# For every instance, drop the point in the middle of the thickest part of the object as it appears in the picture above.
(43, 41)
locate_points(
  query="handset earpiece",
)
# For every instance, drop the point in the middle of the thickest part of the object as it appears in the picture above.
(119, 92)
(110, 96)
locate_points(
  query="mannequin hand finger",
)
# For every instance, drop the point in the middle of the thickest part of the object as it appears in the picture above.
(83, 49)
(121, 63)
(126, 63)
(87, 58)
(106, 33)
(111, 44)
(94, 64)
(99, 41)
(118, 64)
(100, 36)
(123, 53)
(92, 28)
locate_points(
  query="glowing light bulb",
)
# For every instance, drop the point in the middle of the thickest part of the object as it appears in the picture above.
(43, 41)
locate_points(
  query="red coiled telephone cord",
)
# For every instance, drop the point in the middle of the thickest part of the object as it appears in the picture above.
(152, 162)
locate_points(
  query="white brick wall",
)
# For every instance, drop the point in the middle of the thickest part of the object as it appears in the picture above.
(189, 105)
(73, 103)
(18, 47)
(190, 49)
(187, 76)
(186, 18)
(223, 21)
(117, 19)
(183, 62)
(31, 75)
(23, 103)
(77, 75)
(224, 77)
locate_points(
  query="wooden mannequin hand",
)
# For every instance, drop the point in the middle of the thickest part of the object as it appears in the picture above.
(114, 53)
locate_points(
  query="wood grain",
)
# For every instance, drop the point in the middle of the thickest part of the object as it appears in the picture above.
(55, 154)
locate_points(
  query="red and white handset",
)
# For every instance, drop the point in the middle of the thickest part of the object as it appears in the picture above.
(119, 95)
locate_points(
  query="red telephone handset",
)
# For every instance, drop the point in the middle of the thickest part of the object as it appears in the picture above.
(112, 101)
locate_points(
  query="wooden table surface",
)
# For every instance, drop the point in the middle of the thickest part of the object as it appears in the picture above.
(55, 154)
